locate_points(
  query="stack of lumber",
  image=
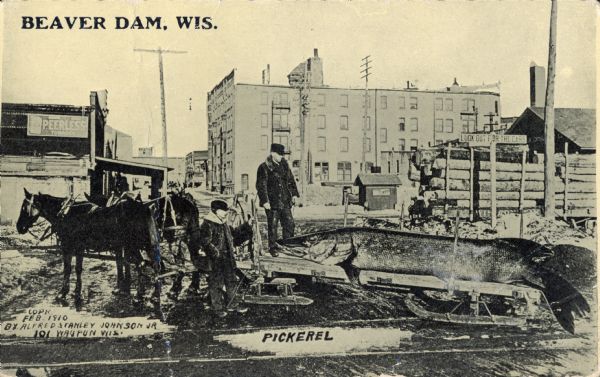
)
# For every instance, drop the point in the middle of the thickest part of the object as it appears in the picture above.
(578, 185)
(508, 184)
(574, 184)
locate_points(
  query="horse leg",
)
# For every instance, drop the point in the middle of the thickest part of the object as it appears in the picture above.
(119, 263)
(66, 273)
(78, 271)
(127, 281)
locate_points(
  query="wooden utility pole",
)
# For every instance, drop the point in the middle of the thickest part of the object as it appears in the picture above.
(365, 76)
(160, 52)
(304, 87)
(549, 167)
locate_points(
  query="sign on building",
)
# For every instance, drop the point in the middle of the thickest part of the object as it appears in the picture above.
(488, 139)
(48, 125)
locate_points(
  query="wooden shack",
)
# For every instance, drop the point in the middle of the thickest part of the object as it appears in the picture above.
(377, 191)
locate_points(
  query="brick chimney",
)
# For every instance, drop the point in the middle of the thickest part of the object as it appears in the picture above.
(537, 85)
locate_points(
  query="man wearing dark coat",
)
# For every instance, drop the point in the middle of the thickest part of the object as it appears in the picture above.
(218, 239)
(277, 193)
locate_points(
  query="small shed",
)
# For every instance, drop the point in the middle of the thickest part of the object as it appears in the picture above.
(377, 191)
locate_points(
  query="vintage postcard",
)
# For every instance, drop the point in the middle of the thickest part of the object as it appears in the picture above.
(277, 188)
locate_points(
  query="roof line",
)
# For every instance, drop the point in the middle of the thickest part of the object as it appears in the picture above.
(372, 89)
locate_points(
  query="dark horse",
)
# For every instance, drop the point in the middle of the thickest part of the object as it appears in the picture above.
(81, 226)
(178, 220)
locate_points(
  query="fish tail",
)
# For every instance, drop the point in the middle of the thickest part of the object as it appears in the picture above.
(566, 302)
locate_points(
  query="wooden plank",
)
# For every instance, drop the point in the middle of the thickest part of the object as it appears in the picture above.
(485, 175)
(299, 266)
(566, 180)
(581, 177)
(383, 279)
(578, 171)
(584, 203)
(463, 185)
(511, 195)
(499, 203)
(446, 185)
(574, 196)
(493, 183)
(522, 188)
(471, 183)
(581, 160)
(486, 165)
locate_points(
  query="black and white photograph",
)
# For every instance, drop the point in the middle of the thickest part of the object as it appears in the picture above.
(298, 188)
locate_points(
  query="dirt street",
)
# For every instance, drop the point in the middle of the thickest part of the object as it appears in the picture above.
(361, 332)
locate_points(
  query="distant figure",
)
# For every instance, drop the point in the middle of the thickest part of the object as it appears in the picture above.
(277, 193)
(418, 211)
(121, 184)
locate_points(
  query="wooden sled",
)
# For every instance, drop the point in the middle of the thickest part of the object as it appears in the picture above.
(477, 313)
(284, 288)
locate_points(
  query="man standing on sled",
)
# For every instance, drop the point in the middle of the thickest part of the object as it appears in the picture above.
(218, 240)
(277, 193)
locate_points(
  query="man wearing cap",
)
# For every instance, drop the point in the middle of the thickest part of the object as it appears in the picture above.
(277, 193)
(218, 239)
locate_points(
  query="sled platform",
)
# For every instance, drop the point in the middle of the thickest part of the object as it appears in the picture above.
(391, 280)
(275, 266)
(498, 320)
(284, 288)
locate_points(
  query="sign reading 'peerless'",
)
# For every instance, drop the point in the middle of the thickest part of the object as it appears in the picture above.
(57, 125)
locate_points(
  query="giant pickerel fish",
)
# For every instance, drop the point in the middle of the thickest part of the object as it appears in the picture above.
(562, 273)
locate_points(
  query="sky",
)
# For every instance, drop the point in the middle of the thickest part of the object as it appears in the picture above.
(429, 41)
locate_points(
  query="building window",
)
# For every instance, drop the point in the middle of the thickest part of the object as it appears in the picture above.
(414, 144)
(343, 144)
(264, 142)
(468, 105)
(368, 125)
(321, 121)
(344, 100)
(449, 126)
(344, 122)
(383, 135)
(264, 98)
(468, 123)
(401, 103)
(344, 171)
(384, 102)
(414, 124)
(402, 124)
(280, 98)
(402, 144)
(414, 103)
(321, 172)
(245, 185)
(368, 100)
(321, 100)
(280, 122)
(283, 140)
(439, 104)
(496, 107)
(367, 144)
(321, 144)
(449, 104)
(439, 125)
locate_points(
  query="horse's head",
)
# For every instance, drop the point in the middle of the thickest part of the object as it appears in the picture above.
(30, 212)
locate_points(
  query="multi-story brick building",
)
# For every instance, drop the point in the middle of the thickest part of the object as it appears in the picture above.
(244, 119)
